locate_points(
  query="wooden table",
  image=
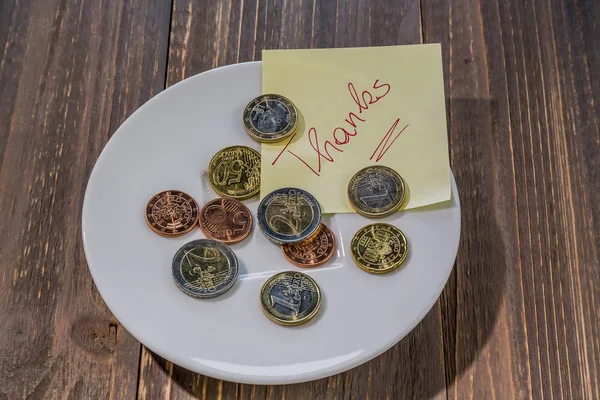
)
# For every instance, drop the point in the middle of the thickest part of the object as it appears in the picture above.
(519, 317)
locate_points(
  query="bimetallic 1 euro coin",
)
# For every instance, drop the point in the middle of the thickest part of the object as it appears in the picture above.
(204, 268)
(290, 298)
(376, 191)
(172, 213)
(311, 252)
(270, 118)
(226, 220)
(235, 172)
(288, 215)
(379, 248)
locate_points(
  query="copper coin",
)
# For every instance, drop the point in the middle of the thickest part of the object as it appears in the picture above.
(172, 213)
(311, 252)
(226, 220)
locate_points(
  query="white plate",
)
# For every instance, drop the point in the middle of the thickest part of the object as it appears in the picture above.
(167, 144)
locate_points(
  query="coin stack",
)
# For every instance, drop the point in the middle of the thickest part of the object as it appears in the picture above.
(289, 217)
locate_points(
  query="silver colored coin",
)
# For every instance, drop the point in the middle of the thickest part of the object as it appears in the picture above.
(270, 118)
(376, 191)
(288, 215)
(290, 298)
(204, 268)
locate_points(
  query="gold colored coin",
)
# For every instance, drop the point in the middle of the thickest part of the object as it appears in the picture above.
(290, 298)
(270, 118)
(376, 191)
(235, 172)
(379, 248)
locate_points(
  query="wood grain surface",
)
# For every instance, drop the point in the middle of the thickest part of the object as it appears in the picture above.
(519, 317)
(70, 73)
(521, 311)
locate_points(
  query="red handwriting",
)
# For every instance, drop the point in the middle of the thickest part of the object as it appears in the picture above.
(313, 140)
(341, 135)
(386, 138)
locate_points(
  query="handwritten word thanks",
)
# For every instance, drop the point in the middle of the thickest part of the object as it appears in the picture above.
(343, 134)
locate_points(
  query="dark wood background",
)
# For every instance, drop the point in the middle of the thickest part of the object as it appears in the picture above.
(519, 317)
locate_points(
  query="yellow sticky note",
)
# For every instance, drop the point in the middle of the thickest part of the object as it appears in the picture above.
(359, 107)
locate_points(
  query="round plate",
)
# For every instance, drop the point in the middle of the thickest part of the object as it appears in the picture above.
(167, 144)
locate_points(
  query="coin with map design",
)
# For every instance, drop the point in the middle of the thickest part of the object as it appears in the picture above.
(204, 268)
(235, 172)
(171, 213)
(290, 298)
(376, 191)
(379, 248)
(288, 215)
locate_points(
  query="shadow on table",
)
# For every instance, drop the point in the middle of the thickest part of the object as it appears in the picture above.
(427, 360)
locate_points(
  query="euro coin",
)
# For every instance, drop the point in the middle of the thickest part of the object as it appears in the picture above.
(376, 191)
(288, 215)
(270, 118)
(379, 248)
(290, 298)
(204, 268)
(171, 213)
(235, 172)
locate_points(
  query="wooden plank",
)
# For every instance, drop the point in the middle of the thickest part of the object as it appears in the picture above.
(520, 315)
(70, 72)
(207, 34)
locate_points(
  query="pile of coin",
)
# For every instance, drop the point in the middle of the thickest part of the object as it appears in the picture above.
(291, 218)
(202, 268)
(376, 192)
(288, 217)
